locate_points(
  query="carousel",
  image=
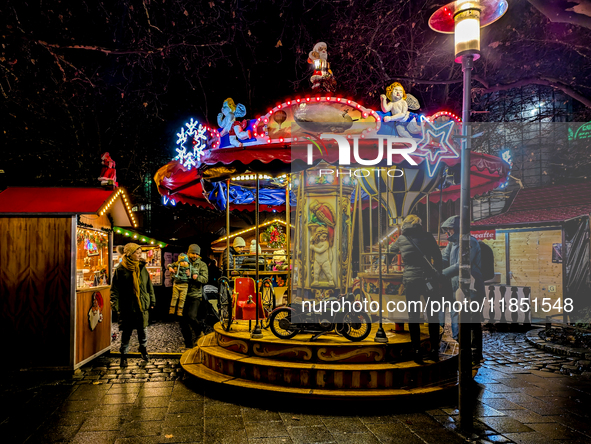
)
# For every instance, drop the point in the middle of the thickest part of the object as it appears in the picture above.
(345, 175)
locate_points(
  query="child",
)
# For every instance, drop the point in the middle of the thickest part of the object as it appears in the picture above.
(178, 271)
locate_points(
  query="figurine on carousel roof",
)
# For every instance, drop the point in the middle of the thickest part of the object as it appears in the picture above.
(322, 77)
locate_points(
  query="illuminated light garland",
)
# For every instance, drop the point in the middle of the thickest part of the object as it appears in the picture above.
(438, 114)
(125, 202)
(197, 133)
(134, 235)
(252, 229)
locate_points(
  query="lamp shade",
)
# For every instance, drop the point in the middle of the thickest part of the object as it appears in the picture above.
(443, 20)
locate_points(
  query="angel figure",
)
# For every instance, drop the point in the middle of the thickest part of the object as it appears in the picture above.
(398, 107)
(322, 256)
(228, 124)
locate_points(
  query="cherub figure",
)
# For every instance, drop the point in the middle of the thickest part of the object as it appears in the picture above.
(322, 75)
(228, 124)
(398, 107)
(322, 256)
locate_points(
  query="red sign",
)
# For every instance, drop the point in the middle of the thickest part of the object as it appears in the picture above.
(484, 234)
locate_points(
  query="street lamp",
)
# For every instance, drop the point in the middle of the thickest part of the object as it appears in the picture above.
(464, 18)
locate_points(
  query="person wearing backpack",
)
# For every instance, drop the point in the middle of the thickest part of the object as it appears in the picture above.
(422, 261)
(451, 269)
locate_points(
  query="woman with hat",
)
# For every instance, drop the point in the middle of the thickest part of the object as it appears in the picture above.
(132, 295)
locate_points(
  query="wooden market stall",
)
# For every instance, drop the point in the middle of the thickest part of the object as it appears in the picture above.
(542, 242)
(55, 256)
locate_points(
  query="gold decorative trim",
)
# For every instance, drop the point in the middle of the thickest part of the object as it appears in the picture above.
(222, 342)
(264, 352)
(367, 351)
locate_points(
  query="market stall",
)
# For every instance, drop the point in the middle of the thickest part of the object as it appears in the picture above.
(542, 243)
(55, 256)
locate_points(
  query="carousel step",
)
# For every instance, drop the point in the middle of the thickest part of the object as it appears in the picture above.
(202, 372)
(309, 375)
(223, 353)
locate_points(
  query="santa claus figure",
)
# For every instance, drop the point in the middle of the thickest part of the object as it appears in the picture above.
(322, 76)
(108, 173)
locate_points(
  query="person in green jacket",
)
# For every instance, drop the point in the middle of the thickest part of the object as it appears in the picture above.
(193, 311)
(132, 296)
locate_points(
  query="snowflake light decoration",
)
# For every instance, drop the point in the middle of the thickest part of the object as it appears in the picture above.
(195, 135)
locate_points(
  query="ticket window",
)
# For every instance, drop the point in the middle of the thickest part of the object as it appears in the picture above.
(92, 258)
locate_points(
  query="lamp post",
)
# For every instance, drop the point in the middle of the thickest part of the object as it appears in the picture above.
(464, 18)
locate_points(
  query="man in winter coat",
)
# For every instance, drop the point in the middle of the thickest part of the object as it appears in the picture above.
(132, 295)
(230, 254)
(416, 271)
(193, 310)
(451, 264)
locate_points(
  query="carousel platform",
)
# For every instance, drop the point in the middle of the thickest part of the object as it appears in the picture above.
(329, 367)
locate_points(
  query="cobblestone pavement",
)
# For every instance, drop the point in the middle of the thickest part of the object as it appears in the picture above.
(526, 395)
(154, 402)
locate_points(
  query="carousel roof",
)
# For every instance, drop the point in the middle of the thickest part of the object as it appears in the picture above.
(299, 133)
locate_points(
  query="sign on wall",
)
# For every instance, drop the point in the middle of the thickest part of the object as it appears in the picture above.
(484, 234)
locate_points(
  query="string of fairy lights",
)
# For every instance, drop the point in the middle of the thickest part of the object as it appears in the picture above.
(125, 201)
(139, 237)
(248, 230)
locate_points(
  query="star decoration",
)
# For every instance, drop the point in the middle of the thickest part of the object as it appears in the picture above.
(436, 145)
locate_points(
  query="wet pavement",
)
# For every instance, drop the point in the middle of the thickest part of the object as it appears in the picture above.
(154, 402)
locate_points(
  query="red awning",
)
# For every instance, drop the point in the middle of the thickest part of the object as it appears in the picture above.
(177, 182)
(53, 200)
(486, 173)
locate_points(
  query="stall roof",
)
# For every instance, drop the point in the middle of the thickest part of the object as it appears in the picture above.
(544, 205)
(66, 201)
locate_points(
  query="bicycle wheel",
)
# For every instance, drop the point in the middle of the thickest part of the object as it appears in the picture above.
(225, 304)
(268, 300)
(280, 323)
(356, 326)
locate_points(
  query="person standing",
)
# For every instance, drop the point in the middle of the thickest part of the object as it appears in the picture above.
(451, 264)
(418, 249)
(132, 296)
(193, 311)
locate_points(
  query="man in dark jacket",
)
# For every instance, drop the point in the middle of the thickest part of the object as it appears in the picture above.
(417, 247)
(451, 264)
(193, 309)
(132, 295)
(231, 256)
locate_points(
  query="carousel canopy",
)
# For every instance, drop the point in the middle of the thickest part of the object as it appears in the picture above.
(300, 133)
